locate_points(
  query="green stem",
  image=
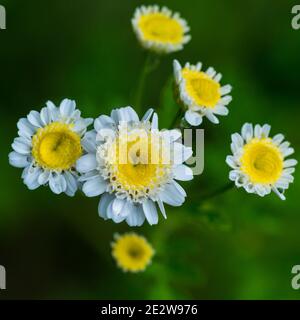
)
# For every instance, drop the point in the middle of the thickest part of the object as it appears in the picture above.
(151, 63)
(219, 191)
(176, 119)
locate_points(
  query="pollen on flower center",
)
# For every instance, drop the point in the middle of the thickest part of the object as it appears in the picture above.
(204, 90)
(56, 146)
(136, 167)
(262, 161)
(161, 28)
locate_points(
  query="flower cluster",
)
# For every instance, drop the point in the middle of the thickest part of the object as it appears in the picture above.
(131, 164)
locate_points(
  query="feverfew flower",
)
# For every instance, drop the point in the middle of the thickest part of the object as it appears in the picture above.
(133, 166)
(160, 30)
(49, 145)
(201, 93)
(258, 162)
(132, 252)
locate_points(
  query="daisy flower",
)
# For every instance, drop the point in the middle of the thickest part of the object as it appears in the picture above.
(48, 145)
(132, 252)
(133, 166)
(258, 162)
(160, 30)
(201, 93)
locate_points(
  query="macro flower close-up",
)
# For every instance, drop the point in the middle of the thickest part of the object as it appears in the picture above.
(259, 163)
(200, 93)
(134, 166)
(48, 146)
(132, 252)
(159, 29)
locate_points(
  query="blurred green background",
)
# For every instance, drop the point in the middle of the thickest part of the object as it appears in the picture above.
(236, 246)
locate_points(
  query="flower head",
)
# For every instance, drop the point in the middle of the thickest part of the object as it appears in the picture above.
(201, 93)
(160, 30)
(132, 252)
(133, 166)
(258, 161)
(49, 145)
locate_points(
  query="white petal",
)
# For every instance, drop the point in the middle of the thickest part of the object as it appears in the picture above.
(289, 163)
(67, 107)
(86, 163)
(131, 115)
(218, 77)
(18, 160)
(137, 217)
(226, 89)
(183, 173)
(257, 131)
(53, 110)
(104, 122)
(181, 153)
(111, 215)
(72, 184)
(221, 110)
(279, 194)
(45, 116)
(287, 152)
(193, 118)
(154, 121)
(278, 138)
(150, 212)
(265, 130)
(35, 119)
(88, 142)
(94, 187)
(105, 200)
(230, 160)
(148, 115)
(118, 206)
(57, 183)
(26, 129)
(225, 100)
(211, 117)
(44, 177)
(31, 177)
(179, 188)
(171, 195)
(88, 176)
(247, 131)
(162, 208)
(171, 135)
(80, 126)
(177, 70)
(21, 145)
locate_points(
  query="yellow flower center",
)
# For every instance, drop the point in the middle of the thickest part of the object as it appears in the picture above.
(201, 88)
(56, 146)
(132, 252)
(137, 165)
(161, 28)
(262, 161)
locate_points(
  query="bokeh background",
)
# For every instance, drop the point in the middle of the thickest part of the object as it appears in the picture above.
(235, 246)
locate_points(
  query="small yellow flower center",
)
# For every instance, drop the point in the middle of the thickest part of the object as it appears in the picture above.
(201, 88)
(161, 28)
(137, 165)
(262, 161)
(132, 252)
(56, 146)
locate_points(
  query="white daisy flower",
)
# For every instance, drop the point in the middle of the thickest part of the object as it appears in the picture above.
(201, 92)
(258, 161)
(133, 166)
(48, 145)
(160, 30)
